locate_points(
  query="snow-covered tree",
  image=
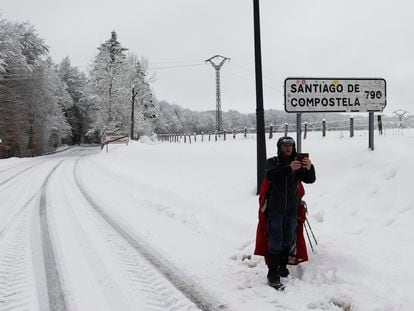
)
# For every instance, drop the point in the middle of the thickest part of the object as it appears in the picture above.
(32, 98)
(107, 88)
(116, 81)
(75, 85)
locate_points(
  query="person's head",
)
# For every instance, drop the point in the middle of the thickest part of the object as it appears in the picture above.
(286, 147)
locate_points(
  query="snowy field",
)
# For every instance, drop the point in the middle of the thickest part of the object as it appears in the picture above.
(194, 209)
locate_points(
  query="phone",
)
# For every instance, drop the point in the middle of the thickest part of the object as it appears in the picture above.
(301, 156)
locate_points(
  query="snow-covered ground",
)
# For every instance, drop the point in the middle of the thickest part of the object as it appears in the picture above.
(193, 208)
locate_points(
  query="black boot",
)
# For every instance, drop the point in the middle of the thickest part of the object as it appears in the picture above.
(283, 270)
(273, 276)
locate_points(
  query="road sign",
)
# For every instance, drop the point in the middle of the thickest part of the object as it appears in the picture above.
(335, 95)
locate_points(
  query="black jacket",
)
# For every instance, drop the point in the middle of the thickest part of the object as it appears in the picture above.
(284, 183)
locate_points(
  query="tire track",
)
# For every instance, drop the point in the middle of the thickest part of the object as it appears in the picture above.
(17, 285)
(21, 172)
(17, 288)
(80, 236)
(16, 215)
(145, 283)
(46, 157)
(56, 295)
(143, 276)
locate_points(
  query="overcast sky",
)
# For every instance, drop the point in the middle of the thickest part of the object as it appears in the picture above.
(314, 38)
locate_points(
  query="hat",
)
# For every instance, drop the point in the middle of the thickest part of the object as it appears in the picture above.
(285, 140)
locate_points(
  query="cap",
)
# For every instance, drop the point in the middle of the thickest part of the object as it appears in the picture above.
(285, 140)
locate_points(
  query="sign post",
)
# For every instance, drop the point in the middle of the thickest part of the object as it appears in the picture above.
(371, 130)
(299, 132)
(304, 95)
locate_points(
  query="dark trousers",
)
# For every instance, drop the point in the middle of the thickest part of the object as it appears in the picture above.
(281, 228)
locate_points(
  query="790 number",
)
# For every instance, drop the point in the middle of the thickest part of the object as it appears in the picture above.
(373, 94)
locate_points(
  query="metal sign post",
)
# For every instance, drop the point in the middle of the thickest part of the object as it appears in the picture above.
(371, 131)
(299, 132)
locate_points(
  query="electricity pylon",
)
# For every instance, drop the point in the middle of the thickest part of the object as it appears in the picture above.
(217, 66)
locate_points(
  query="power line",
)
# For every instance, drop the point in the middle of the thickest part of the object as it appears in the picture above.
(172, 67)
(250, 79)
(251, 71)
(174, 61)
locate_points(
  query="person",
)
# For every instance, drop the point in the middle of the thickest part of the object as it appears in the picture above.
(284, 173)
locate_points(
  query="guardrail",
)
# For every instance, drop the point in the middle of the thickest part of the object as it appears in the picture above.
(116, 139)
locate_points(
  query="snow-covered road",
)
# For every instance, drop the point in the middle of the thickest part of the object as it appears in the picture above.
(59, 250)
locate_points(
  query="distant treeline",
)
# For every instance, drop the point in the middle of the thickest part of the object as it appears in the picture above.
(176, 119)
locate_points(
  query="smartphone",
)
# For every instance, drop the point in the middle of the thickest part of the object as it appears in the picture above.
(301, 156)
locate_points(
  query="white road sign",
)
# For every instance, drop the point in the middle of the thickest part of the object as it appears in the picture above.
(335, 95)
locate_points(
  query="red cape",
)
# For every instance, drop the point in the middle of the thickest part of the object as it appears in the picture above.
(299, 254)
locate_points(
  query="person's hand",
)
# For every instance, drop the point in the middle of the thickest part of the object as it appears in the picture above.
(295, 165)
(307, 163)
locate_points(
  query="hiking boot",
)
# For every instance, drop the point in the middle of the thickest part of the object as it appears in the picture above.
(276, 285)
(273, 280)
(273, 276)
(283, 270)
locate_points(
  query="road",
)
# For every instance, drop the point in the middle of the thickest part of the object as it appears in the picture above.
(60, 250)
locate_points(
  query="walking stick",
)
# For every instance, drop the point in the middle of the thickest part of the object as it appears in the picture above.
(307, 234)
(310, 228)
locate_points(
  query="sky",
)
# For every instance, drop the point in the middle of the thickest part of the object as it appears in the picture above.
(318, 38)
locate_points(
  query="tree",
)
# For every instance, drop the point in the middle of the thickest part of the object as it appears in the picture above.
(117, 81)
(108, 96)
(75, 85)
(31, 95)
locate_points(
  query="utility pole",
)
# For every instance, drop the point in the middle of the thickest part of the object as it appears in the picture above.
(134, 94)
(400, 113)
(217, 66)
(261, 138)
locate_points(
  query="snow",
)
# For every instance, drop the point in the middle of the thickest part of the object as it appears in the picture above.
(196, 205)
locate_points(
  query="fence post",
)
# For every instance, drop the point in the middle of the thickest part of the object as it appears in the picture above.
(351, 127)
(379, 124)
(224, 134)
(202, 136)
(286, 129)
(195, 137)
(209, 136)
(234, 133)
(323, 128)
(271, 131)
(305, 133)
(245, 132)
(216, 136)
(189, 138)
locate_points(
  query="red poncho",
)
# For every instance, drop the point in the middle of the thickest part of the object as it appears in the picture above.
(299, 254)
